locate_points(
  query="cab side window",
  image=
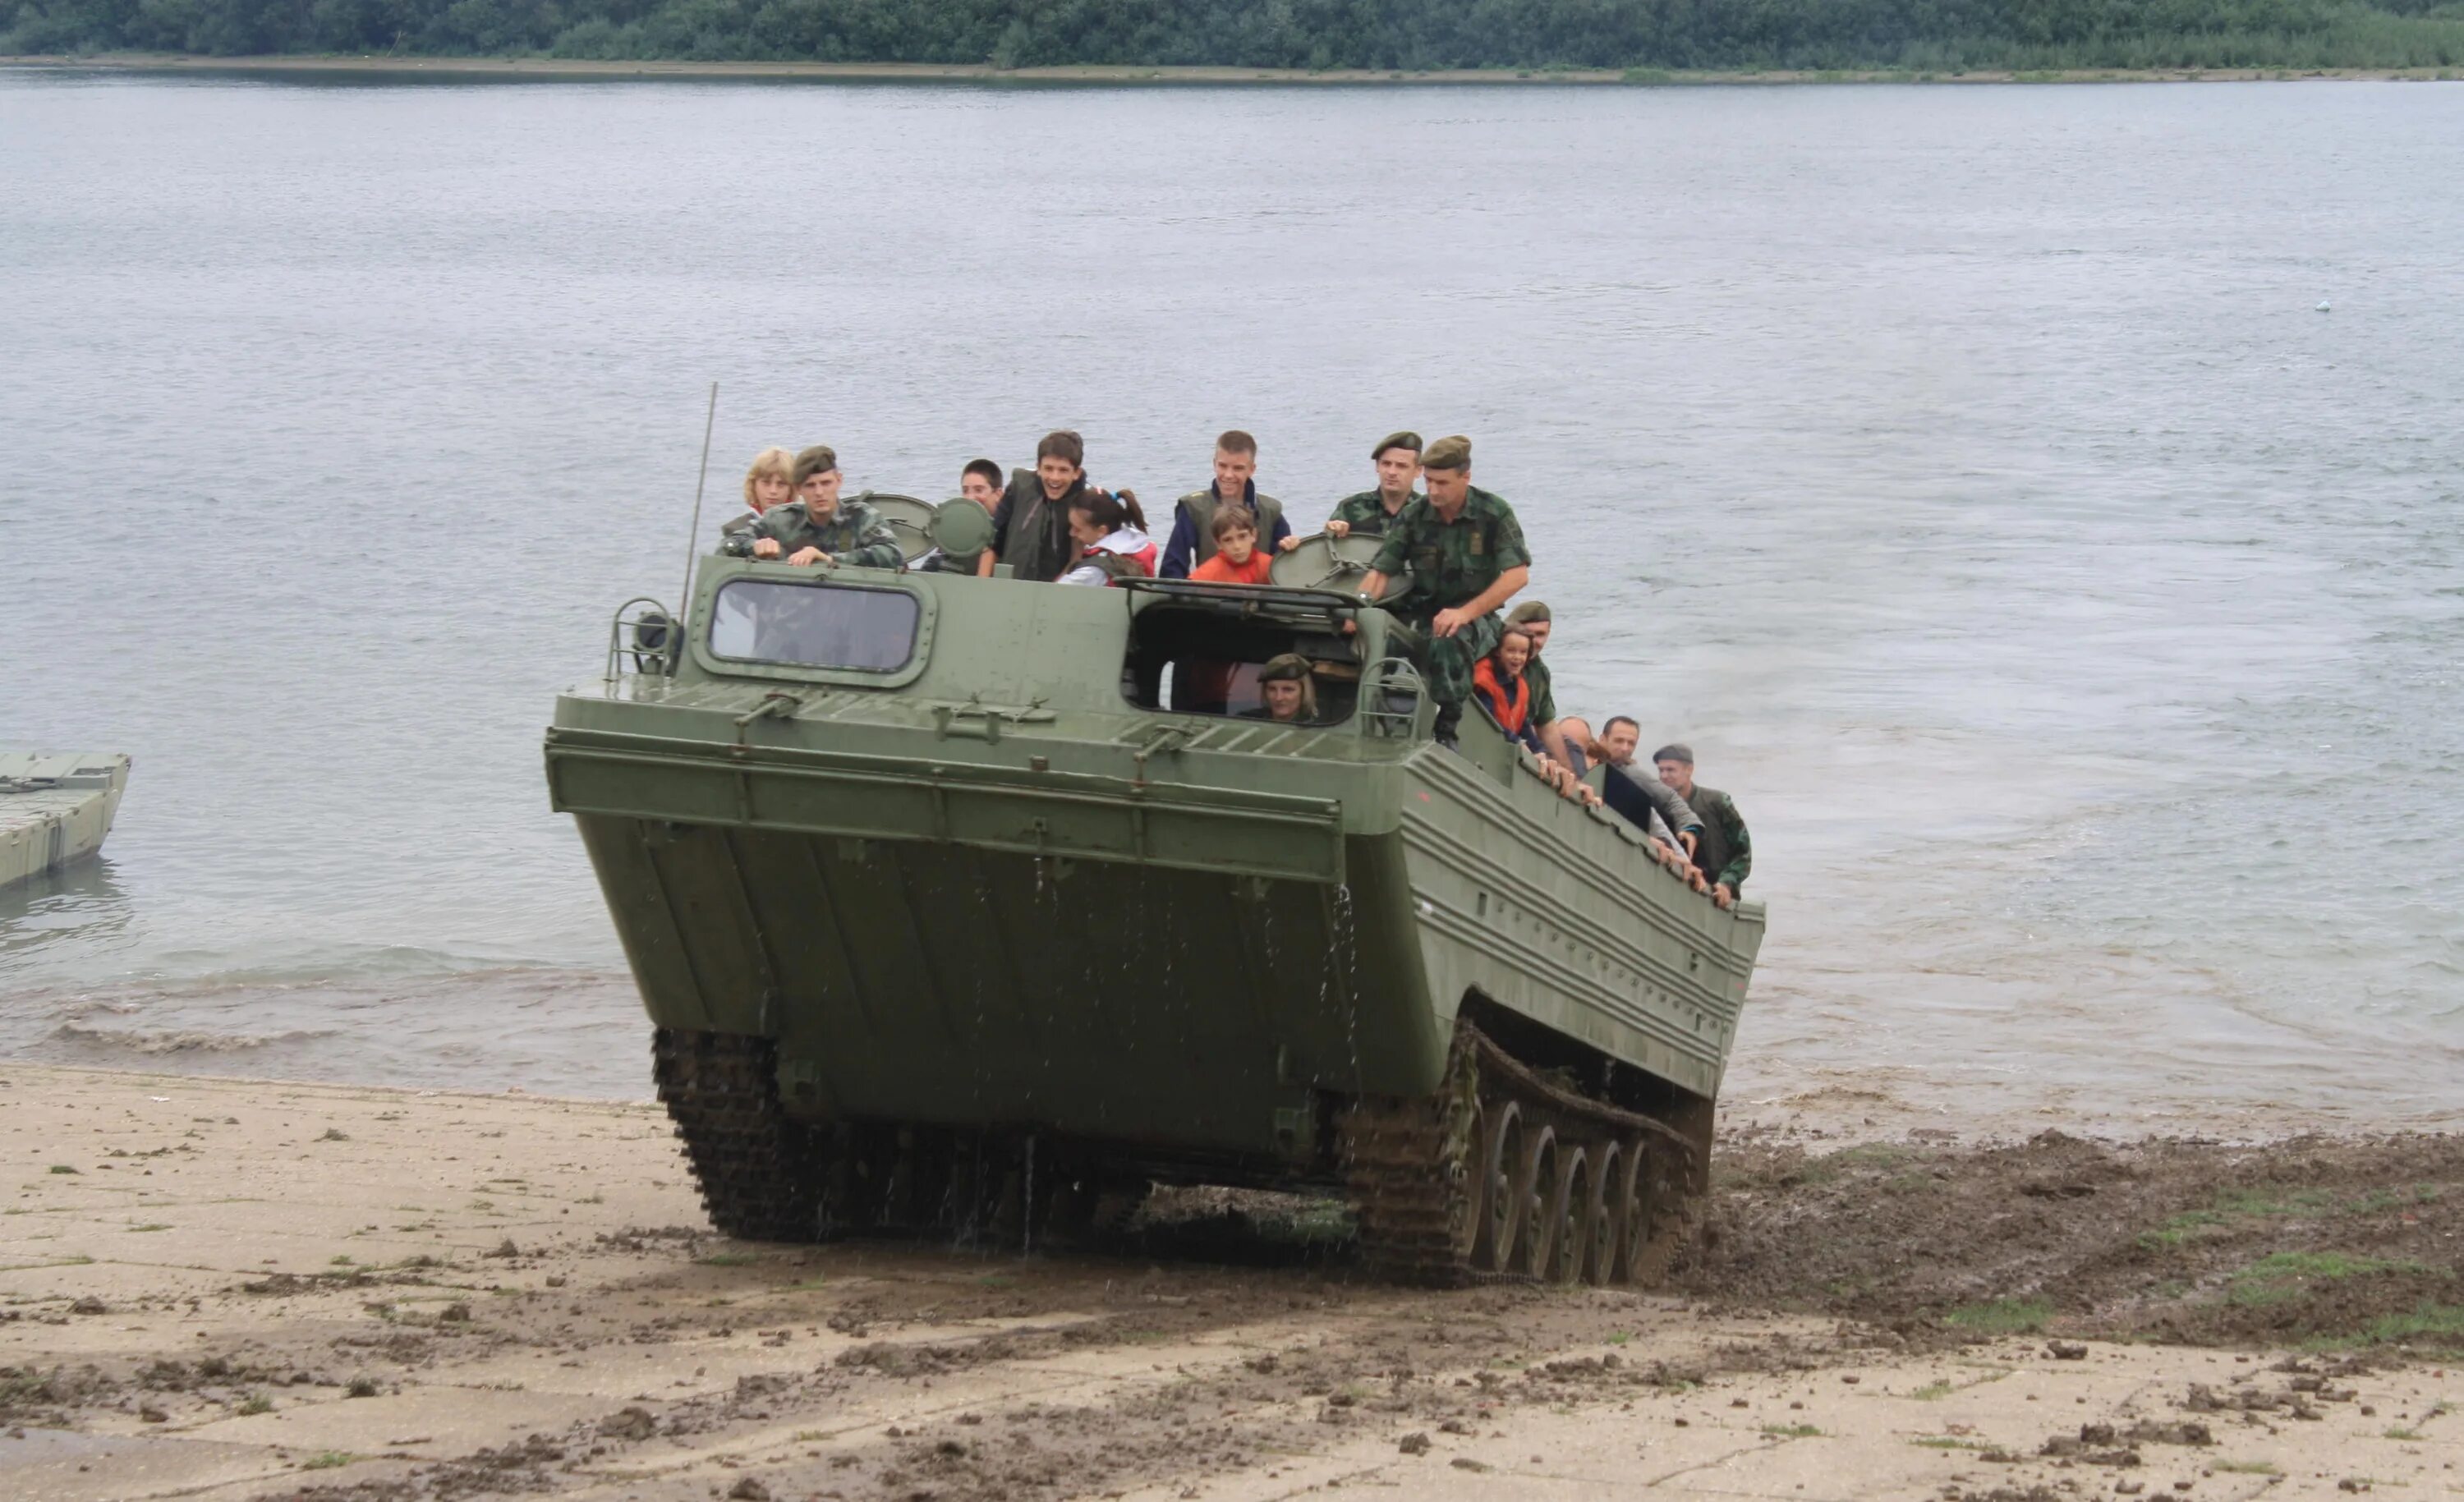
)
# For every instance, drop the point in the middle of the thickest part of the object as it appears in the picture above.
(1192, 662)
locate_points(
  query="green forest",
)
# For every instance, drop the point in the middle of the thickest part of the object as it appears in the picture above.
(1643, 36)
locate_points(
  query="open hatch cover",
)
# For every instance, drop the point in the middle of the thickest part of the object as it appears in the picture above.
(1335, 563)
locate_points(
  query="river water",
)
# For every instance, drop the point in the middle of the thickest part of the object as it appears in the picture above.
(2073, 604)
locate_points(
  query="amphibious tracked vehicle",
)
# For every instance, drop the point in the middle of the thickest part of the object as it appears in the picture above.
(976, 906)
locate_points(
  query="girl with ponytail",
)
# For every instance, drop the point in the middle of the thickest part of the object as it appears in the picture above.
(1111, 530)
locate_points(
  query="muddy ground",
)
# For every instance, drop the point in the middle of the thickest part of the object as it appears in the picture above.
(2349, 1243)
(228, 1290)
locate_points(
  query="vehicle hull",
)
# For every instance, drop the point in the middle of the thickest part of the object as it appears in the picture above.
(1179, 946)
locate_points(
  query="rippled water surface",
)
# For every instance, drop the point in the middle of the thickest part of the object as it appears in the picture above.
(2074, 607)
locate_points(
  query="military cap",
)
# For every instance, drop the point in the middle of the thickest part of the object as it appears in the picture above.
(820, 459)
(1447, 454)
(1292, 665)
(1675, 751)
(1406, 439)
(1527, 612)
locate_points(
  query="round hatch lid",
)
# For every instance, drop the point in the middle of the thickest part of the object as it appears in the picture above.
(910, 518)
(962, 526)
(1335, 563)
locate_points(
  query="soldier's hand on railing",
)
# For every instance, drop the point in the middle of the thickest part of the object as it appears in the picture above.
(1338, 529)
(1287, 544)
(1723, 894)
(806, 558)
(765, 546)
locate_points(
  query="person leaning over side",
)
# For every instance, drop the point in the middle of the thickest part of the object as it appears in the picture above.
(1533, 617)
(1468, 558)
(1031, 523)
(1726, 853)
(768, 485)
(1643, 800)
(1581, 749)
(1236, 484)
(818, 527)
(1498, 680)
(1370, 512)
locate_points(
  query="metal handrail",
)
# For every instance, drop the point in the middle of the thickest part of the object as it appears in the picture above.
(1246, 598)
(652, 646)
(1382, 679)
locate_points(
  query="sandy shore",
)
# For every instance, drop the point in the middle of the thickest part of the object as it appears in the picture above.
(228, 1289)
(552, 68)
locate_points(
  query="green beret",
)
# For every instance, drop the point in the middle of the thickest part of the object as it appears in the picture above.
(1675, 751)
(820, 459)
(1527, 612)
(1406, 439)
(1447, 454)
(1292, 665)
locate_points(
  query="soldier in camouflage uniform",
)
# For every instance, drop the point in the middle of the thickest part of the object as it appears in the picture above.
(1532, 616)
(1370, 512)
(817, 527)
(1726, 851)
(1468, 558)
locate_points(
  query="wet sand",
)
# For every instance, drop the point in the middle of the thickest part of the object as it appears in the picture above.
(577, 69)
(231, 1289)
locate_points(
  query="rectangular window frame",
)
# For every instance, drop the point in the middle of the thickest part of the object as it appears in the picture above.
(919, 654)
(1180, 610)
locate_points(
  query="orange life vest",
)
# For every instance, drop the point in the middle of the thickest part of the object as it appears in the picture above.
(1513, 711)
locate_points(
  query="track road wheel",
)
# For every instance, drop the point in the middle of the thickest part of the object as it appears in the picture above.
(1116, 1206)
(1500, 1154)
(1634, 1199)
(1600, 1220)
(962, 1203)
(1070, 1218)
(1009, 1216)
(901, 1201)
(1569, 1216)
(1535, 1180)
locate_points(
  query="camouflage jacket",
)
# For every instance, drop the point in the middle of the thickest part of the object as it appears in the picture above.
(1365, 513)
(1452, 561)
(1544, 697)
(1726, 851)
(854, 534)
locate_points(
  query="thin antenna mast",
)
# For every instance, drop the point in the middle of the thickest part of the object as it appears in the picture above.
(693, 540)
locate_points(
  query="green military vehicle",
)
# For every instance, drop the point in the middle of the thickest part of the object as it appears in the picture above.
(974, 906)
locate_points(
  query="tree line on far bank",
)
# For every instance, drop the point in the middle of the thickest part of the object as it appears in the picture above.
(1929, 36)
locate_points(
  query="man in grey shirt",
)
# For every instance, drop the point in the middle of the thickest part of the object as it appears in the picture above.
(1649, 804)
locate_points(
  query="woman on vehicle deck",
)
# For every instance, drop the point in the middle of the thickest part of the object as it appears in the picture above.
(1284, 686)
